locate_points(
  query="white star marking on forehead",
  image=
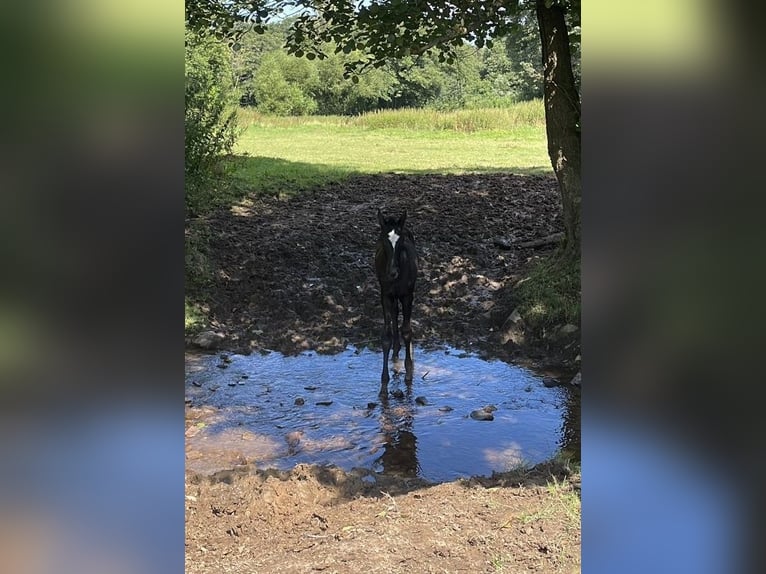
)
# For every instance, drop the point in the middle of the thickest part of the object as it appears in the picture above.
(393, 238)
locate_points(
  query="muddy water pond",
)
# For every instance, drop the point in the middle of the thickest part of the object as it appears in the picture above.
(461, 416)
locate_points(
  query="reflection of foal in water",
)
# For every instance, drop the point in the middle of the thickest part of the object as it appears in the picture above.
(400, 449)
(396, 266)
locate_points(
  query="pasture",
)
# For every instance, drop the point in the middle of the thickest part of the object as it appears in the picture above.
(283, 155)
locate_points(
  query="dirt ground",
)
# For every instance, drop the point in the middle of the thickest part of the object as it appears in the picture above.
(295, 274)
(314, 519)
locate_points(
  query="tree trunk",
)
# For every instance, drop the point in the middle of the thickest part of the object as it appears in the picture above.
(562, 118)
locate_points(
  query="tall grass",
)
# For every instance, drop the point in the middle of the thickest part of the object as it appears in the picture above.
(521, 114)
(251, 117)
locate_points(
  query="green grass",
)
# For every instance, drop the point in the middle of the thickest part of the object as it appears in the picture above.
(498, 562)
(194, 317)
(562, 501)
(341, 150)
(277, 155)
(563, 498)
(197, 274)
(279, 177)
(550, 295)
(520, 115)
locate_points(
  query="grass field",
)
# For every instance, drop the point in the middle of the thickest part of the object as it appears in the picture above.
(283, 155)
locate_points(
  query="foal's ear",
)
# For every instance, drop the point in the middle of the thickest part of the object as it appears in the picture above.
(380, 218)
(403, 218)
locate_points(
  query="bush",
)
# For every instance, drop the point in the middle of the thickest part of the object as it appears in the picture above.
(210, 117)
(282, 85)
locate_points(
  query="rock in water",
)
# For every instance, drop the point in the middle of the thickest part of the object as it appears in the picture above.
(482, 415)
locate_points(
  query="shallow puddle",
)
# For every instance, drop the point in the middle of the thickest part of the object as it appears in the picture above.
(273, 411)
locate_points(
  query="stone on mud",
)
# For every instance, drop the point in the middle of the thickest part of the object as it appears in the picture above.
(566, 331)
(209, 339)
(513, 329)
(576, 380)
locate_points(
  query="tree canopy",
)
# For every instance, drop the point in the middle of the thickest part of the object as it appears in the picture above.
(377, 30)
(279, 83)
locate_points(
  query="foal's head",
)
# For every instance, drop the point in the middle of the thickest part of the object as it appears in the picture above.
(391, 231)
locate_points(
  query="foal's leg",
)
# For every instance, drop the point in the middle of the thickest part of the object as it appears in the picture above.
(407, 336)
(386, 302)
(395, 328)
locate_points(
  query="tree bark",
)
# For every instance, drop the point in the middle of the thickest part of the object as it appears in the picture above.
(562, 118)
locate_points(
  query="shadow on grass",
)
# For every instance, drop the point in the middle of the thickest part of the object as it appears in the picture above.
(278, 177)
(240, 177)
